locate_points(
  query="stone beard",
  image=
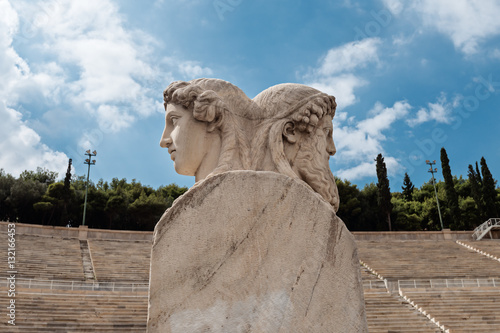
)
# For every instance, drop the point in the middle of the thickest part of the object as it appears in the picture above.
(311, 157)
(297, 132)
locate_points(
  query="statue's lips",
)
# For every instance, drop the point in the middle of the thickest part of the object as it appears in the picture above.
(172, 155)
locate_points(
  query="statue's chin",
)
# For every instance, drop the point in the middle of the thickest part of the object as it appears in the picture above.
(184, 170)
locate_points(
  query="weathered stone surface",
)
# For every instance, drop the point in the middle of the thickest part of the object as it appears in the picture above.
(247, 251)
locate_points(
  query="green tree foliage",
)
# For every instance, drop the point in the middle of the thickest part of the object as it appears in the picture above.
(407, 188)
(41, 175)
(350, 205)
(470, 213)
(384, 191)
(67, 179)
(116, 208)
(6, 209)
(406, 213)
(488, 190)
(369, 204)
(23, 195)
(358, 209)
(146, 210)
(478, 175)
(36, 198)
(44, 209)
(452, 209)
(476, 191)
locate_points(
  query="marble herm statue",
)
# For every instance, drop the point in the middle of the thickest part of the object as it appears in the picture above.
(255, 245)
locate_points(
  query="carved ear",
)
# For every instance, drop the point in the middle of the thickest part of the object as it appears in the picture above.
(216, 123)
(289, 132)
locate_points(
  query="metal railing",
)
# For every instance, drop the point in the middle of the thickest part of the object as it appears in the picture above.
(78, 285)
(449, 283)
(374, 284)
(481, 230)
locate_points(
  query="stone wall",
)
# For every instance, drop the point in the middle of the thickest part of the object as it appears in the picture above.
(446, 234)
(64, 232)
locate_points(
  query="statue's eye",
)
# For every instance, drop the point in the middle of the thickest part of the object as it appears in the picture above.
(328, 132)
(174, 120)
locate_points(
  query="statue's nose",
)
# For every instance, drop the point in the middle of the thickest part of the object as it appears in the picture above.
(331, 147)
(165, 142)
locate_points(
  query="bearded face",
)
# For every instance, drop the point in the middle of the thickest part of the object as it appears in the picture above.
(311, 162)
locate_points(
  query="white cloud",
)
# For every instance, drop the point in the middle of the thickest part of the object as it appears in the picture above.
(9, 22)
(359, 144)
(496, 53)
(21, 146)
(342, 87)
(349, 56)
(192, 69)
(368, 169)
(439, 112)
(88, 63)
(395, 6)
(117, 80)
(112, 118)
(466, 22)
(113, 61)
(335, 73)
(365, 169)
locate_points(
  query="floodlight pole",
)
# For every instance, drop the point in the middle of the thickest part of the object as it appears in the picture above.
(431, 170)
(89, 162)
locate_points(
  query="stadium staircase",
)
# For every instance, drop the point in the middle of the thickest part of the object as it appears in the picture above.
(57, 291)
(459, 309)
(409, 286)
(88, 267)
(386, 312)
(452, 283)
(115, 260)
(402, 260)
(76, 311)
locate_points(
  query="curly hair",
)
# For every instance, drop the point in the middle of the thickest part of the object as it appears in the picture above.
(302, 105)
(216, 102)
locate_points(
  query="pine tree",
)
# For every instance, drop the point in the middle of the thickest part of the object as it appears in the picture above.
(384, 192)
(407, 188)
(488, 189)
(449, 185)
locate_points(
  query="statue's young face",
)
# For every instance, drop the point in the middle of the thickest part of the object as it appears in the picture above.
(186, 138)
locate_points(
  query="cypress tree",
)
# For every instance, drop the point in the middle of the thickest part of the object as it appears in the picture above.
(451, 193)
(67, 179)
(475, 189)
(66, 193)
(488, 189)
(478, 176)
(407, 188)
(384, 192)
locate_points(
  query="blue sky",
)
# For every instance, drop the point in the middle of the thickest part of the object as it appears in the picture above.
(409, 78)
